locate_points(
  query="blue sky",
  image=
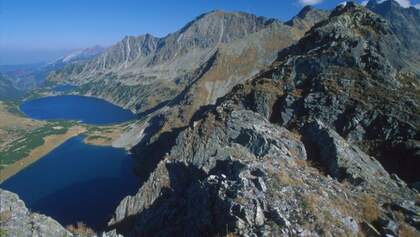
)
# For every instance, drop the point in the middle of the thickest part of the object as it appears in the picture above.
(38, 30)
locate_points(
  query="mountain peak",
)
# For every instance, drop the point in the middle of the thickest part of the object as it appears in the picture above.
(221, 26)
(307, 18)
(347, 8)
(218, 15)
(307, 9)
(386, 4)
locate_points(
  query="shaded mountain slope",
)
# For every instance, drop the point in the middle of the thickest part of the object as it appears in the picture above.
(405, 22)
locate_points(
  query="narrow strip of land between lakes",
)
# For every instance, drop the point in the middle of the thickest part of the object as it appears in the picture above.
(50, 143)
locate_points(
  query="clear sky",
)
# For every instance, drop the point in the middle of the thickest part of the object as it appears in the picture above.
(39, 30)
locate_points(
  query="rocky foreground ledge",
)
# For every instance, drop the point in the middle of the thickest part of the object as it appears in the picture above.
(17, 221)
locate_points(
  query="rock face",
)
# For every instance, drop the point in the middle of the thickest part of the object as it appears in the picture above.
(233, 172)
(405, 22)
(17, 220)
(296, 150)
(356, 79)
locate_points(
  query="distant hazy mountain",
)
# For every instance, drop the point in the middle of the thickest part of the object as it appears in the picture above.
(78, 56)
(26, 76)
(30, 76)
(7, 90)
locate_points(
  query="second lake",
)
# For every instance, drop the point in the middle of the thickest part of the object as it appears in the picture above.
(76, 182)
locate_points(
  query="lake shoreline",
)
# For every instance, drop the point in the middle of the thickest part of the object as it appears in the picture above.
(50, 143)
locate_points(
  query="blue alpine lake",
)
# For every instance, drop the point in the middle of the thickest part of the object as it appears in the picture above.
(76, 182)
(80, 108)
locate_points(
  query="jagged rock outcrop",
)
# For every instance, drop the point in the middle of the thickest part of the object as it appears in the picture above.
(234, 172)
(339, 159)
(17, 220)
(289, 153)
(350, 73)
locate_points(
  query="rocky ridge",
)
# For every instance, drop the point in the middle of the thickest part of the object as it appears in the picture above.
(290, 152)
(146, 72)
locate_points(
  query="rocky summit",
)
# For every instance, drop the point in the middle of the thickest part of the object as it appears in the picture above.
(263, 128)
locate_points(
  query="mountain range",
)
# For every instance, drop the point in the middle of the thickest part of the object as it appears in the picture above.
(152, 71)
(251, 126)
(29, 77)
